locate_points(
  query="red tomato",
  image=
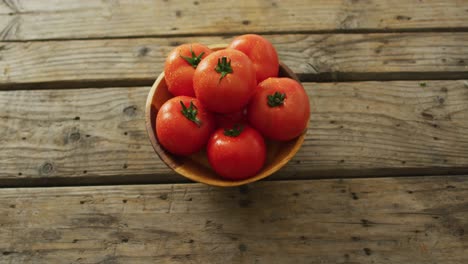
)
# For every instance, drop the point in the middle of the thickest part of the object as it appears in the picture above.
(180, 66)
(261, 52)
(236, 154)
(224, 81)
(229, 120)
(279, 109)
(183, 125)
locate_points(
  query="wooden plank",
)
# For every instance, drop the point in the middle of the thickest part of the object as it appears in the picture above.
(33, 19)
(331, 56)
(387, 220)
(79, 136)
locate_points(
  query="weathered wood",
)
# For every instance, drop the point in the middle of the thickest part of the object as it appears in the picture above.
(32, 19)
(79, 136)
(75, 132)
(330, 56)
(387, 220)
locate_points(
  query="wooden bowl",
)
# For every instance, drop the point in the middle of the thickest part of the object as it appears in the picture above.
(196, 166)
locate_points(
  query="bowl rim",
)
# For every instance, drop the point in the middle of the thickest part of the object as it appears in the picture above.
(174, 165)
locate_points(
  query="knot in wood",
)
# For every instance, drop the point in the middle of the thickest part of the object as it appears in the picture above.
(143, 51)
(46, 168)
(130, 110)
(75, 136)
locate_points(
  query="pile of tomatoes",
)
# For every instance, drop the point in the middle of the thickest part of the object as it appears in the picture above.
(229, 101)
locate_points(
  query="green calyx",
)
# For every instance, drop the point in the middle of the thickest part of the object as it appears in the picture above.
(235, 131)
(191, 113)
(223, 67)
(194, 60)
(276, 99)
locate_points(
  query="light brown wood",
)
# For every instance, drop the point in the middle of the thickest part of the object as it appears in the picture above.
(416, 220)
(33, 19)
(196, 167)
(324, 56)
(79, 136)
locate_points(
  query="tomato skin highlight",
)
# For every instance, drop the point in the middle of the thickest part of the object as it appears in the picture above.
(178, 73)
(179, 135)
(261, 52)
(236, 158)
(229, 93)
(283, 122)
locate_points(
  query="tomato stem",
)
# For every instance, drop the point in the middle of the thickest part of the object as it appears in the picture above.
(191, 113)
(223, 67)
(235, 131)
(194, 60)
(276, 99)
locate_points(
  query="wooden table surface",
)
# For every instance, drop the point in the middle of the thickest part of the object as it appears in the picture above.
(381, 177)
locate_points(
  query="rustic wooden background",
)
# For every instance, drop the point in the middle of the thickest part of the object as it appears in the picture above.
(379, 179)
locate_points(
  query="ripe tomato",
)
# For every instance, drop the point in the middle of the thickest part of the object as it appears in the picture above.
(237, 153)
(180, 66)
(279, 109)
(229, 120)
(183, 126)
(261, 52)
(224, 81)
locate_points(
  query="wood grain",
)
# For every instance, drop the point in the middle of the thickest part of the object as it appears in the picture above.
(325, 57)
(387, 220)
(80, 136)
(22, 20)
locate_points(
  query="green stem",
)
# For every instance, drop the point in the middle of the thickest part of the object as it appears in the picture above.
(235, 131)
(194, 60)
(191, 113)
(276, 99)
(223, 67)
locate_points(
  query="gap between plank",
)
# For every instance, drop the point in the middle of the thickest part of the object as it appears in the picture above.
(320, 77)
(235, 33)
(176, 179)
(382, 76)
